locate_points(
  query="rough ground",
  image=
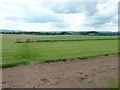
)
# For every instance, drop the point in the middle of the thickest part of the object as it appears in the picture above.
(88, 73)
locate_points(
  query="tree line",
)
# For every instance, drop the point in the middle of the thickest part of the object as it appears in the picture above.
(94, 33)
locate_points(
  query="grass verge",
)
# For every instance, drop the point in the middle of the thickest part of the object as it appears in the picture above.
(53, 60)
(113, 84)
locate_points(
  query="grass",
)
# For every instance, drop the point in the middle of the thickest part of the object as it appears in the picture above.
(14, 54)
(113, 84)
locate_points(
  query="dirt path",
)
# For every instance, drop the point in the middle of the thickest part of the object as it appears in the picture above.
(88, 73)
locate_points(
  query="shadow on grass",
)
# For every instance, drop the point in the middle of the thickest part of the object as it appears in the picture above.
(13, 64)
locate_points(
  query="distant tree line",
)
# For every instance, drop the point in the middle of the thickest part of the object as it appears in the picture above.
(94, 33)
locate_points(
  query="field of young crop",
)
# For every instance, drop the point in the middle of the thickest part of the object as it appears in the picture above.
(54, 48)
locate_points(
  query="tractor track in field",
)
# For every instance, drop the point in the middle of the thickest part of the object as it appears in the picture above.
(88, 73)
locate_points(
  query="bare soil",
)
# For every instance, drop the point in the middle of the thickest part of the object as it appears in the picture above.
(88, 73)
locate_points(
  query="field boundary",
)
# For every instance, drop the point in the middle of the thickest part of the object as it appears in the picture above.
(57, 60)
(73, 40)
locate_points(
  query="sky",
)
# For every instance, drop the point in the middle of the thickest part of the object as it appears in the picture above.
(59, 15)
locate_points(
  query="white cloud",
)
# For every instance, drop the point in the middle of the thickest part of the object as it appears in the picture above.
(75, 20)
(47, 15)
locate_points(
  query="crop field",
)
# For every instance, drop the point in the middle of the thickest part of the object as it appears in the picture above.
(54, 48)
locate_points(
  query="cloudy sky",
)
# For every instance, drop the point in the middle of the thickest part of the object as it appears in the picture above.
(59, 15)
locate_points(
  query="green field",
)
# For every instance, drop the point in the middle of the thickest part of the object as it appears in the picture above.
(64, 48)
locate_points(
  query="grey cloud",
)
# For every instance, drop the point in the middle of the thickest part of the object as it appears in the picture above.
(43, 18)
(97, 20)
(36, 18)
(72, 7)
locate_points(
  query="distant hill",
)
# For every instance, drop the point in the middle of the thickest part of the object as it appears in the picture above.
(5, 30)
(93, 33)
